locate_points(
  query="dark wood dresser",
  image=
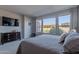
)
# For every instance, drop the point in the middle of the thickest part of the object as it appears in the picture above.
(11, 36)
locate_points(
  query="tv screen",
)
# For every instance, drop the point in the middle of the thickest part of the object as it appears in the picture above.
(6, 21)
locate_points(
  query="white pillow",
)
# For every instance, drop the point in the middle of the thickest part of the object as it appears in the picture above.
(70, 35)
(71, 43)
(62, 37)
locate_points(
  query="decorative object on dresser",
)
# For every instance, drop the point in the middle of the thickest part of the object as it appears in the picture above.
(11, 36)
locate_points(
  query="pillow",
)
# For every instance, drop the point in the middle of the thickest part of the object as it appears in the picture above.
(71, 43)
(70, 35)
(62, 37)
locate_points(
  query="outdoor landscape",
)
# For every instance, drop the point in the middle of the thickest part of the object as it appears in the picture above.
(52, 28)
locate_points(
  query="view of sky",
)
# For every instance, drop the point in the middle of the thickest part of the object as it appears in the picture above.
(49, 21)
(62, 19)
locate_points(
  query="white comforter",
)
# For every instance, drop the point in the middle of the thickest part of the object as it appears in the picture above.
(47, 41)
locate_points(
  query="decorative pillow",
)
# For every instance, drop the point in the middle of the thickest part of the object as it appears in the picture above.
(62, 37)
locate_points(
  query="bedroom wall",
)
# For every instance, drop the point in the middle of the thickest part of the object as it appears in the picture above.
(27, 27)
(4, 29)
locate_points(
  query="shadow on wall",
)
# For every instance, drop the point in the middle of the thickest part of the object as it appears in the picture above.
(56, 31)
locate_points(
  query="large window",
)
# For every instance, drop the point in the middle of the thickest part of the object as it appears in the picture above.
(48, 24)
(64, 23)
(56, 25)
(38, 25)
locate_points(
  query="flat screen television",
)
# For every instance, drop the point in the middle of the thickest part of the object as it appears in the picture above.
(6, 21)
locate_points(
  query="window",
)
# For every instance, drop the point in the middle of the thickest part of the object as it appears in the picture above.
(64, 23)
(48, 24)
(54, 26)
(38, 25)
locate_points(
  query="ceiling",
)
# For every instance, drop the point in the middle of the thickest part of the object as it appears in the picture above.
(35, 10)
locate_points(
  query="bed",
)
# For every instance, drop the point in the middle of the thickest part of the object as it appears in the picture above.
(42, 44)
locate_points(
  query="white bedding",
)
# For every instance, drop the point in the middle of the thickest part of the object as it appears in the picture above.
(47, 41)
(50, 41)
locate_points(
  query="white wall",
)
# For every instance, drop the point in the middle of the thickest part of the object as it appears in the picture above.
(4, 29)
(27, 27)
